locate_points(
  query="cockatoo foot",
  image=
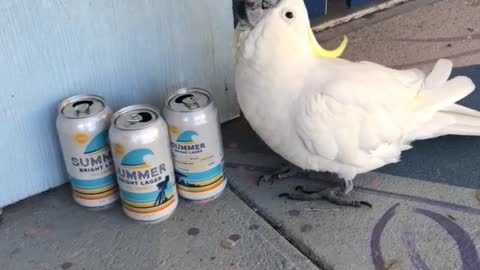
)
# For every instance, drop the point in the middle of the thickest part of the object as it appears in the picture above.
(285, 172)
(333, 195)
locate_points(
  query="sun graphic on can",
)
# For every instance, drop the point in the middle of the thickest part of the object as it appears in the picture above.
(118, 149)
(174, 130)
(81, 138)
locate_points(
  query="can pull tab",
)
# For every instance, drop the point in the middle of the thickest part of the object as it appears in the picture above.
(82, 107)
(189, 101)
(192, 105)
(141, 117)
(135, 118)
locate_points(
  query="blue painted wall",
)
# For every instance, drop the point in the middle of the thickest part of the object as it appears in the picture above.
(129, 51)
(316, 8)
(358, 3)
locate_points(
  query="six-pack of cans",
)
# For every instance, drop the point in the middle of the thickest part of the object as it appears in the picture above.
(145, 157)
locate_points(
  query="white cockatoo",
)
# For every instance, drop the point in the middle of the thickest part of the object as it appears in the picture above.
(326, 114)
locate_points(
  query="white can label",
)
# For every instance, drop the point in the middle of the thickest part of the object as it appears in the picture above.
(146, 180)
(198, 158)
(90, 166)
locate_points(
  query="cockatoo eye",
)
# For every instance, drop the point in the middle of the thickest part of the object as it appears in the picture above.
(288, 14)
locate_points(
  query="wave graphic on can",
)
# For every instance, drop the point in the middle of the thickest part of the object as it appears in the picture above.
(134, 167)
(97, 153)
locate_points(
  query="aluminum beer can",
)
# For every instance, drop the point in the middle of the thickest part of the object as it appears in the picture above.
(143, 162)
(196, 143)
(82, 127)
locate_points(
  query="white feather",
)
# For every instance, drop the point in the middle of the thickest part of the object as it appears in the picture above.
(335, 115)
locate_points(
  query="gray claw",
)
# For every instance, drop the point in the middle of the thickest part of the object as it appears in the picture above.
(266, 178)
(366, 204)
(360, 203)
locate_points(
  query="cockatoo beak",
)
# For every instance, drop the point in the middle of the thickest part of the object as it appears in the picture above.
(317, 50)
(250, 12)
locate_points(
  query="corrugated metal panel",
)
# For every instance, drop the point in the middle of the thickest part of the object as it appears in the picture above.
(127, 51)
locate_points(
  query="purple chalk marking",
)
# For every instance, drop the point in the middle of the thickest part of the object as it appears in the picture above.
(408, 240)
(467, 248)
(448, 205)
(377, 256)
(468, 251)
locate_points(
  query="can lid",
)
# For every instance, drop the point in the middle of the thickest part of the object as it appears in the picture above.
(135, 117)
(189, 100)
(81, 106)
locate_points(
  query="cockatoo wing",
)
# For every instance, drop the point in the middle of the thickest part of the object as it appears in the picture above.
(365, 117)
(347, 131)
(410, 78)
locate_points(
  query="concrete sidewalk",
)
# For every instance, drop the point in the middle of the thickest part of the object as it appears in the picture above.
(412, 223)
(50, 232)
(426, 212)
